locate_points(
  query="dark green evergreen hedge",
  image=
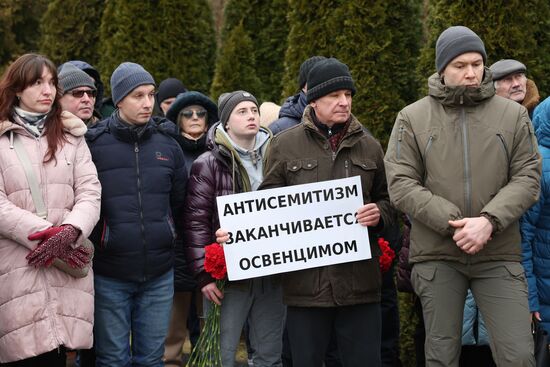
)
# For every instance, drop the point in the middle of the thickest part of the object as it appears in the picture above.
(70, 31)
(266, 25)
(235, 68)
(170, 38)
(19, 28)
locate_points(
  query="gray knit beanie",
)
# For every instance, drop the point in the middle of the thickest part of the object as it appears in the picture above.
(127, 77)
(327, 76)
(228, 101)
(505, 67)
(455, 41)
(71, 77)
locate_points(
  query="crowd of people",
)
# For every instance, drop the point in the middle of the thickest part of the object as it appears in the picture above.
(107, 204)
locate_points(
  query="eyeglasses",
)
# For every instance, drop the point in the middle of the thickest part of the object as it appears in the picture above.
(80, 93)
(189, 113)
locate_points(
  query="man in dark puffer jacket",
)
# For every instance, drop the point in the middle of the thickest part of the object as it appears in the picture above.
(143, 176)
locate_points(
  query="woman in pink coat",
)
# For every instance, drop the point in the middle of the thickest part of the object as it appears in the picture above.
(43, 310)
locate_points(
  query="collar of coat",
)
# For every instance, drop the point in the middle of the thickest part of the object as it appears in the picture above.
(71, 124)
(224, 152)
(458, 96)
(307, 120)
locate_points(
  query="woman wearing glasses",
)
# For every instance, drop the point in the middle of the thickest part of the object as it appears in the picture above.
(193, 113)
(49, 204)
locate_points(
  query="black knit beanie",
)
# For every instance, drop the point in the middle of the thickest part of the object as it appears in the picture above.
(228, 101)
(169, 88)
(327, 76)
(305, 69)
(455, 41)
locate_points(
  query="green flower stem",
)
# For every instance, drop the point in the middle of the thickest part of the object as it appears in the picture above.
(207, 351)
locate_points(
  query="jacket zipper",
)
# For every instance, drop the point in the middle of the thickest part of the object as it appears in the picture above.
(530, 138)
(467, 174)
(346, 164)
(52, 314)
(140, 204)
(428, 146)
(503, 144)
(400, 139)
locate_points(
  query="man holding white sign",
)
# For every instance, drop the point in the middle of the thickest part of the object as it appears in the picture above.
(344, 298)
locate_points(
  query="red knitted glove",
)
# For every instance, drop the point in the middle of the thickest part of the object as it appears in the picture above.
(45, 234)
(78, 257)
(54, 242)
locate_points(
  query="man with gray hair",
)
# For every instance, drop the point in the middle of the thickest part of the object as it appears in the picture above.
(510, 80)
(340, 300)
(464, 166)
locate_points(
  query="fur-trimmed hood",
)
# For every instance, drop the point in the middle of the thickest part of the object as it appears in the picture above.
(532, 97)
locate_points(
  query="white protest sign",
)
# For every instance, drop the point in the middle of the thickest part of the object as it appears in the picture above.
(293, 228)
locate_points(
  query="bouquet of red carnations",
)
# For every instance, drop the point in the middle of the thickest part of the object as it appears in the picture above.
(207, 350)
(387, 255)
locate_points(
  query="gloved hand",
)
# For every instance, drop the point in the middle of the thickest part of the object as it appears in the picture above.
(78, 257)
(54, 242)
(45, 234)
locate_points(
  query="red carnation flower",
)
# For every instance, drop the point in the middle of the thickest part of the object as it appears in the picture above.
(214, 261)
(387, 256)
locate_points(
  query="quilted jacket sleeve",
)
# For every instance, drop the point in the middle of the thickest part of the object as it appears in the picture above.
(199, 215)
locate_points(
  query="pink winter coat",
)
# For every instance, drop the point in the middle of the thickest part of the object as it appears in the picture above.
(43, 308)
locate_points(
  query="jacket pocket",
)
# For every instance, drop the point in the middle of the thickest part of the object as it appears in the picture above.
(302, 171)
(364, 168)
(421, 275)
(303, 283)
(170, 222)
(516, 270)
(366, 276)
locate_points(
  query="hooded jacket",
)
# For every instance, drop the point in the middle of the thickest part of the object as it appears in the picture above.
(44, 308)
(290, 113)
(217, 172)
(143, 176)
(535, 228)
(302, 154)
(462, 152)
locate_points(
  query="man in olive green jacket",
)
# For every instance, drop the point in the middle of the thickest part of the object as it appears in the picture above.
(464, 165)
(330, 143)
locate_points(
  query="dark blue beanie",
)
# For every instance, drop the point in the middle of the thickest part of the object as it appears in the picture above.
(127, 77)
